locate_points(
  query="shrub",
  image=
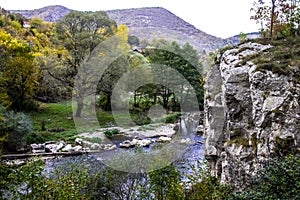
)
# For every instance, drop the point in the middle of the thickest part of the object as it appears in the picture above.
(205, 186)
(165, 183)
(34, 138)
(29, 182)
(279, 179)
(15, 126)
(170, 119)
(173, 117)
(110, 133)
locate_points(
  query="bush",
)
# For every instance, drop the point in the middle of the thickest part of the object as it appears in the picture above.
(279, 179)
(173, 117)
(112, 132)
(105, 119)
(15, 126)
(205, 186)
(165, 184)
(29, 182)
(34, 138)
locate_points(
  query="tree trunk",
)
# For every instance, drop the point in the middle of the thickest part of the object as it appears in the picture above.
(134, 100)
(272, 18)
(79, 107)
(107, 106)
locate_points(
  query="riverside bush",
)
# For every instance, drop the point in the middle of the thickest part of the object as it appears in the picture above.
(14, 126)
(205, 186)
(110, 133)
(279, 179)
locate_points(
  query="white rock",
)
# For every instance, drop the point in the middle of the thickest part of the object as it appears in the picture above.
(186, 141)
(37, 148)
(164, 139)
(108, 147)
(271, 103)
(51, 148)
(95, 146)
(143, 143)
(134, 142)
(78, 141)
(86, 143)
(68, 148)
(126, 144)
(77, 148)
(59, 146)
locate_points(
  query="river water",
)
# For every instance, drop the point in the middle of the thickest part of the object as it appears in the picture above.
(192, 154)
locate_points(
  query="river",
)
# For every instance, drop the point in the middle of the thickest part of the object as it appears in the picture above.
(192, 152)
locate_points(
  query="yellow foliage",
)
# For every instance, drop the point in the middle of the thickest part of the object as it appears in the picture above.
(122, 33)
(16, 25)
(17, 70)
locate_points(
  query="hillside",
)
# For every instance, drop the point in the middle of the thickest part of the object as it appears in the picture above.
(145, 23)
(151, 23)
(235, 39)
(49, 13)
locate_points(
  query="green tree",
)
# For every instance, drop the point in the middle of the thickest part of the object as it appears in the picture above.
(133, 40)
(183, 59)
(18, 72)
(80, 33)
(109, 79)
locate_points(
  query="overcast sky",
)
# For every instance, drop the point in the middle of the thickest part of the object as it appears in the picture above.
(221, 18)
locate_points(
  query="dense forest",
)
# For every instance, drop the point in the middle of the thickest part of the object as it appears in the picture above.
(49, 68)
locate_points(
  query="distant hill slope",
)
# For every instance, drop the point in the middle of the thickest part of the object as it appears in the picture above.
(235, 39)
(49, 13)
(145, 23)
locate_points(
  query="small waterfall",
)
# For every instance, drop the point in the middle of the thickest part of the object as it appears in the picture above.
(188, 125)
(183, 128)
(195, 151)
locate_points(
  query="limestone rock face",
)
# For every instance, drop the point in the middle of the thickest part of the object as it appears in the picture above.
(250, 115)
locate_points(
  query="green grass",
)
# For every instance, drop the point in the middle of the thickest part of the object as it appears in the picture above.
(58, 122)
(92, 139)
(56, 119)
(54, 116)
(283, 59)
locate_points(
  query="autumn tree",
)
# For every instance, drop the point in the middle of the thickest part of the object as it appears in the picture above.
(277, 17)
(80, 33)
(18, 74)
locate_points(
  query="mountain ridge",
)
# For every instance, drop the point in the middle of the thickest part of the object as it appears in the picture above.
(146, 23)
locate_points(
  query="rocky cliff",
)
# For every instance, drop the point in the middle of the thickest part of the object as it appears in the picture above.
(252, 111)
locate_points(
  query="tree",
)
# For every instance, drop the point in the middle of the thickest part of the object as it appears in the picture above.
(18, 72)
(170, 57)
(281, 17)
(80, 33)
(133, 40)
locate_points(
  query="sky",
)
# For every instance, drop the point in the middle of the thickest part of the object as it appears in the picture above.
(221, 18)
